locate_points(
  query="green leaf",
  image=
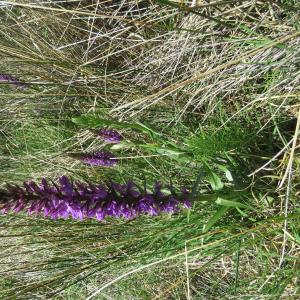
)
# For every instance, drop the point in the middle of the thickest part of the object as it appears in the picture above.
(242, 213)
(121, 145)
(230, 203)
(173, 153)
(215, 181)
(148, 129)
(96, 122)
(226, 171)
(215, 218)
(168, 152)
(205, 198)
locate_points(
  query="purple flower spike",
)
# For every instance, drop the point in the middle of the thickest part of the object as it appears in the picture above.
(20, 204)
(101, 158)
(110, 136)
(170, 206)
(147, 205)
(84, 201)
(12, 80)
(187, 203)
(66, 185)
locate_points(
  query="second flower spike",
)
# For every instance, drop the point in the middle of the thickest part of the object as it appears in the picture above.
(100, 158)
(109, 136)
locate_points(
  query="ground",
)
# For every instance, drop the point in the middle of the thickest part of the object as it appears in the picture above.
(206, 97)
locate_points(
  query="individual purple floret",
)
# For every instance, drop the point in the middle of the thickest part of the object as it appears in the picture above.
(12, 80)
(100, 158)
(109, 136)
(84, 201)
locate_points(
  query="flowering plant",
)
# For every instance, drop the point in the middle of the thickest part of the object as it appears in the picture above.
(13, 80)
(80, 200)
(109, 136)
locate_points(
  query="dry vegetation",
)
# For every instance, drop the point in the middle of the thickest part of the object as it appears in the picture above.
(219, 79)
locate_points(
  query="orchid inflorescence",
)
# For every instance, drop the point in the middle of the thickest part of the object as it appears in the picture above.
(83, 201)
(109, 136)
(99, 158)
(13, 80)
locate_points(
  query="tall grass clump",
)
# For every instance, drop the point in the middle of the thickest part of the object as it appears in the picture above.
(196, 94)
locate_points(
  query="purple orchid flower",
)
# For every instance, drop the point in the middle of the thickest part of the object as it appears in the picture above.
(13, 80)
(109, 136)
(101, 158)
(83, 201)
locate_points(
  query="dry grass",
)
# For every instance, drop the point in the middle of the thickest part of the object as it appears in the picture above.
(182, 67)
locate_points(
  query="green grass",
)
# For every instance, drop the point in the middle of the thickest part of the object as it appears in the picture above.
(204, 96)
